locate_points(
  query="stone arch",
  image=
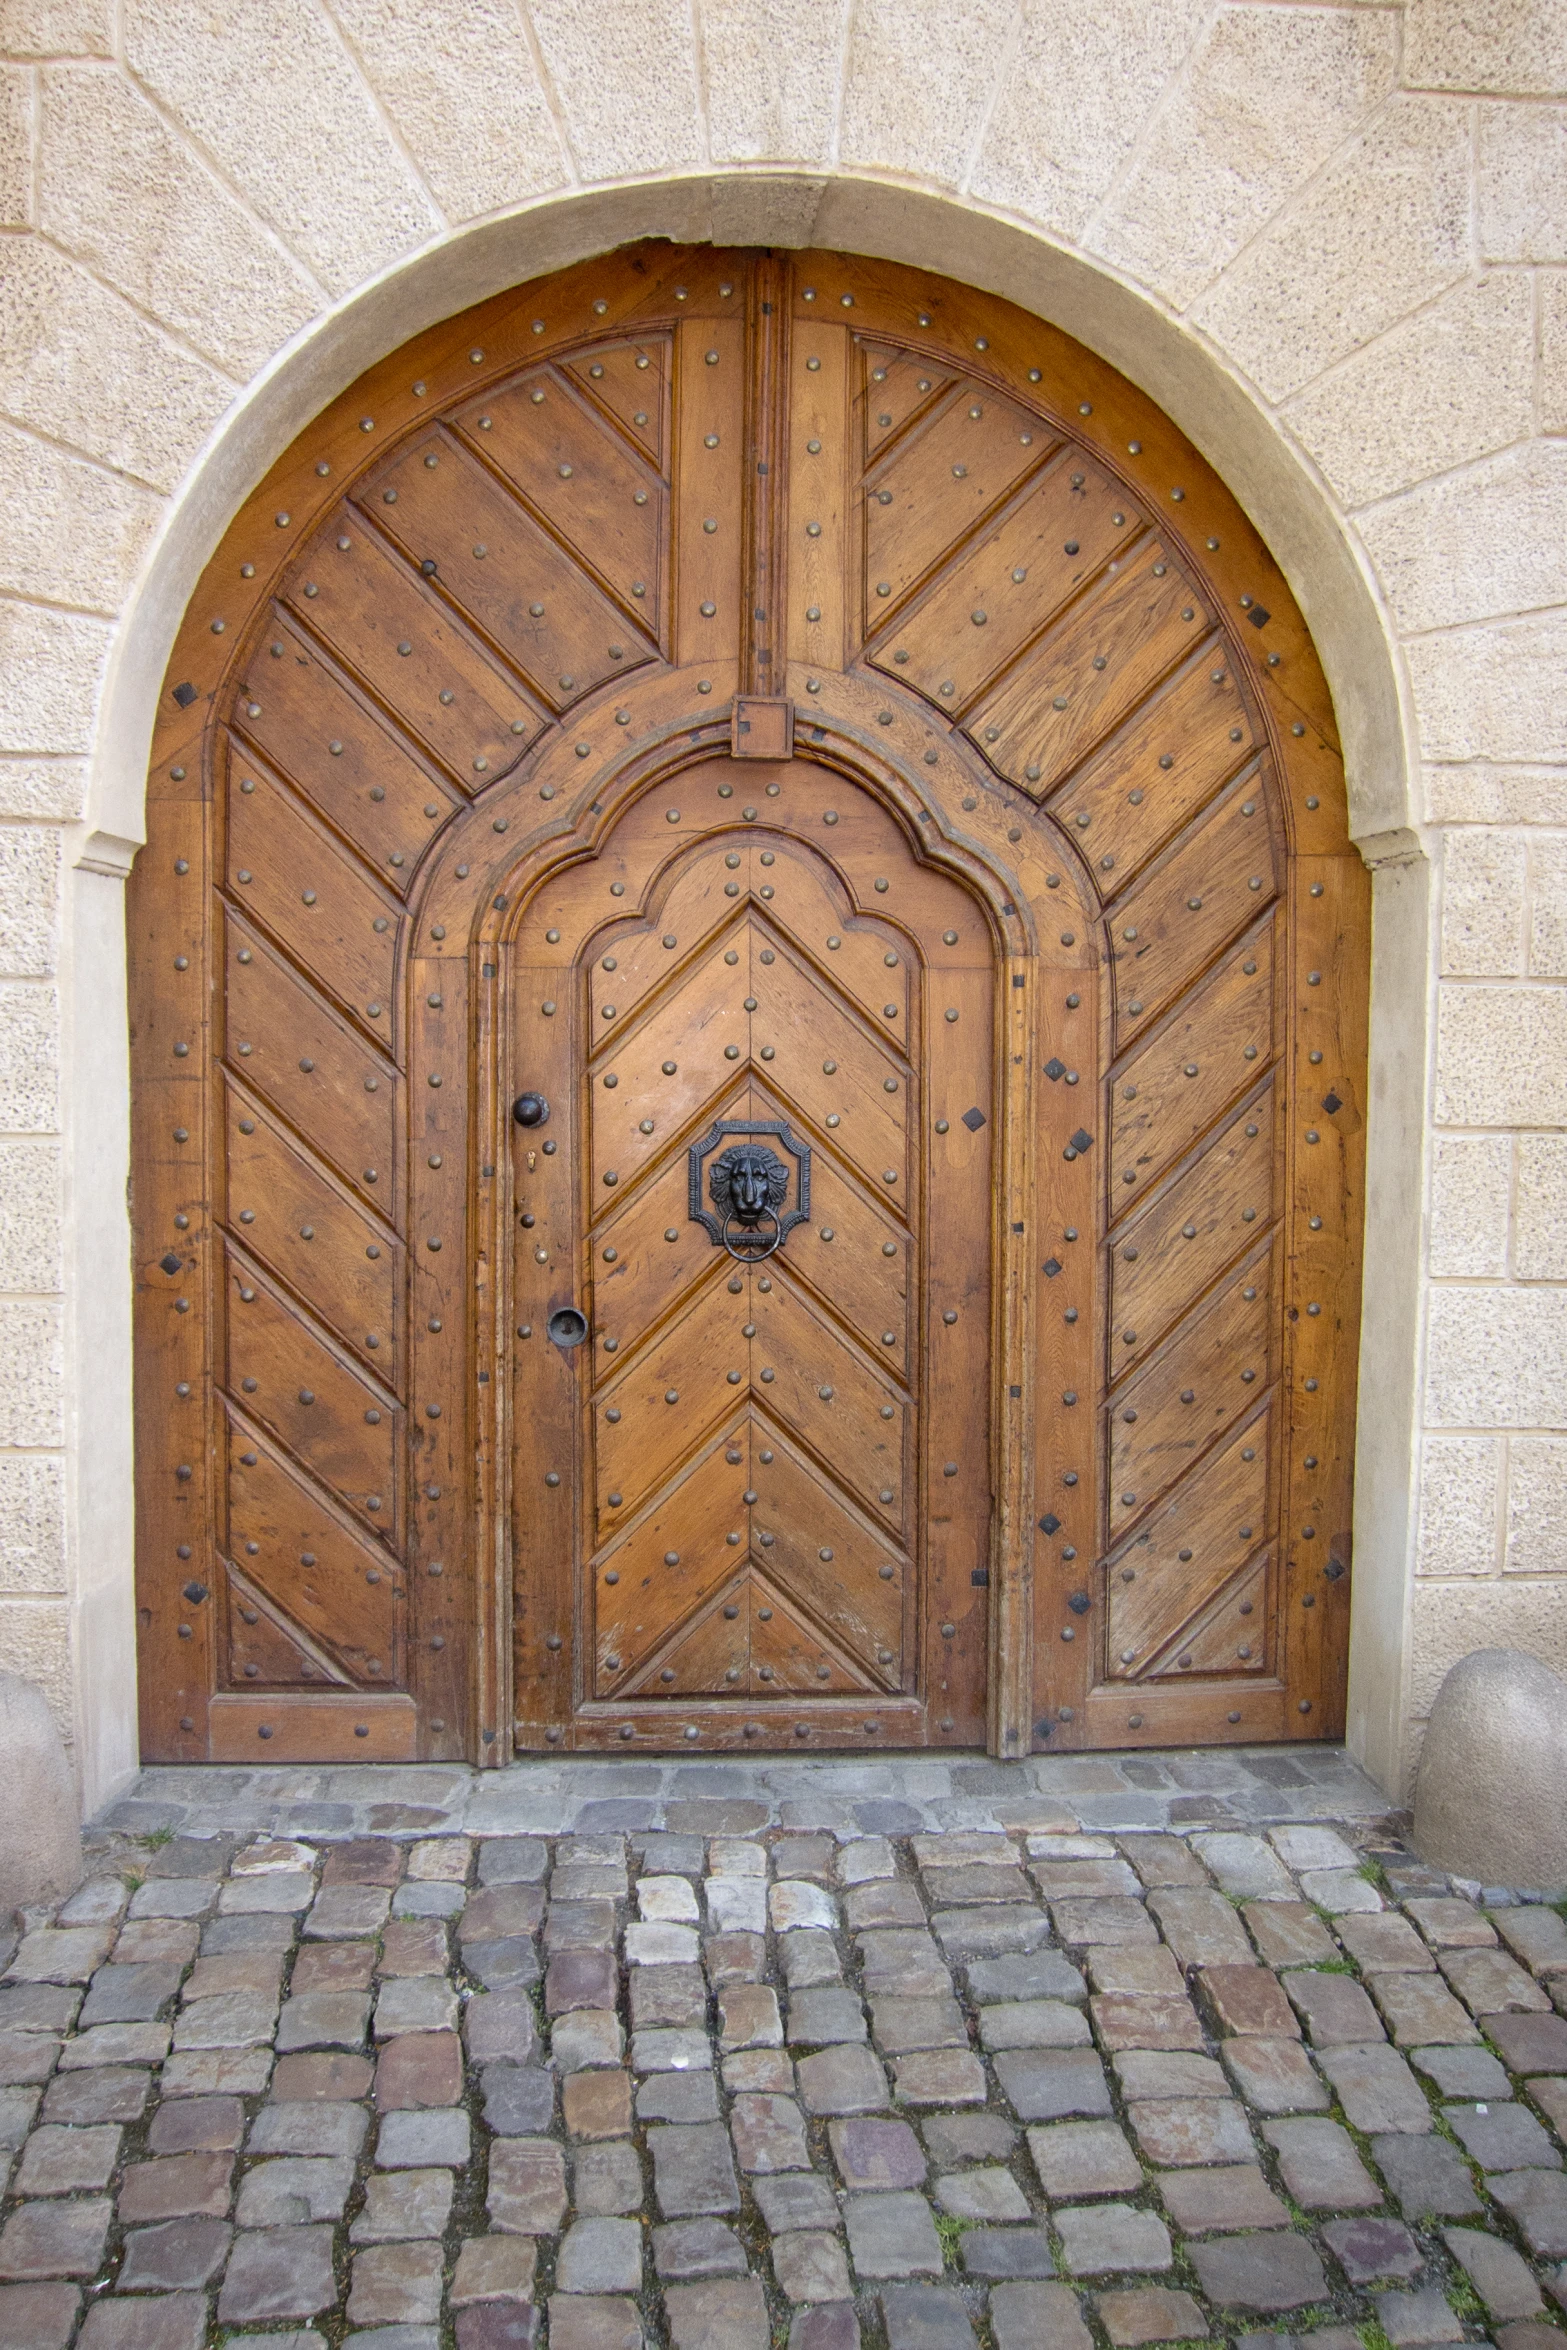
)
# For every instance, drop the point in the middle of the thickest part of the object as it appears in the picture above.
(1186, 377)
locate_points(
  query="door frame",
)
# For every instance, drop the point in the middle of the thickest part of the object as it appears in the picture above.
(478, 885)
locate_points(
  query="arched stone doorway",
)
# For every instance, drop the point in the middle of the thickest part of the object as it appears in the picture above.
(680, 557)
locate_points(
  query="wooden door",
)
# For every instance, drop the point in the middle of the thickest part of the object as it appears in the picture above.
(799, 707)
(758, 1416)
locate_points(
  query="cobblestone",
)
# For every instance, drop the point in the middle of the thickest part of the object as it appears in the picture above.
(981, 2082)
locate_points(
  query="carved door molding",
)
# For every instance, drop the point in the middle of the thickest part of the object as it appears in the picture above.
(579, 561)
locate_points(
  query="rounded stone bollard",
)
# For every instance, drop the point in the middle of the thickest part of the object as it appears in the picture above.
(1491, 1792)
(40, 1833)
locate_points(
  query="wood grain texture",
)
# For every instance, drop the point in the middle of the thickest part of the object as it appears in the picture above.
(902, 666)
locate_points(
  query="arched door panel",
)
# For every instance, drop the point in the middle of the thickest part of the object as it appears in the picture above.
(899, 663)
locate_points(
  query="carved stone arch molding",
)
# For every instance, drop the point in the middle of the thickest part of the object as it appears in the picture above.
(717, 622)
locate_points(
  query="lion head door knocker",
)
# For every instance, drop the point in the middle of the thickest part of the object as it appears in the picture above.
(749, 1184)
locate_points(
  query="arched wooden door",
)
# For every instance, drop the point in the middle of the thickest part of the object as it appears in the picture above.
(749, 1050)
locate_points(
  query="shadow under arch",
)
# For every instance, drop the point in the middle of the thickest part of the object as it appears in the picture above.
(1226, 421)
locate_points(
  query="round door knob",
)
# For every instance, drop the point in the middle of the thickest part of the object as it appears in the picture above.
(530, 1109)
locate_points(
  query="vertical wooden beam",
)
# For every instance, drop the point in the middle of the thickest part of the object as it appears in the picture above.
(765, 562)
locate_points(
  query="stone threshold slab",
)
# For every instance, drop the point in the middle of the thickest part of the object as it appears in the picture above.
(1101, 1793)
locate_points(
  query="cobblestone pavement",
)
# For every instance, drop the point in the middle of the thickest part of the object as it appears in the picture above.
(725, 2087)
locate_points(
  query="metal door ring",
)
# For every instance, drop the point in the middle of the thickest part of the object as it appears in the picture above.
(755, 1244)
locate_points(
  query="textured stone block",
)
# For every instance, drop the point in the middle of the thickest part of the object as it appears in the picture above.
(395, 2285)
(334, 1966)
(329, 2075)
(589, 2036)
(1107, 2239)
(1246, 2000)
(1500, 2277)
(983, 2196)
(1049, 2084)
(939, 2076)
(697, 2248)
(1416, 2319)
(340, 1910)
(1421, 2011)
(1320, 2166)
(1030, 2023)
(1084, 2158)
(1377, 2089)
(1207, 2202)
(1463, 2072)
(278, 2273)
(1035, 1974)
(112, 2093)
(323, 2126)
(693, 2170)
(597, 2105)
(769, 2134)
(178, 2185)
(413, 2138)
(829, 2015)
(1537, 1465)
(1288, 1934)
(1529, 2043)
(600, 2256)
(872, 2155)
(894, 1903)
(1336, 2010)
(1537, 2201)
(494, 2268)
(1385, 1944)
(1200, 1927)
(54, 2239)
(1491, 1983)
(1007, 2252)
(1145, 2020)
(1426, 2177)
(1303, 296)
(527, 2193)
(1181, 214)
(593, 2322)
(499, 2024)
(1177, 2130)
(1167, 2072)
(290, 2191)
(1111, 1920)
(424, 2069)
(406, 2205)
(1367, 2249)
(1263, 2272)
(892, 2236)
(726, 2313)
(811, 2267)
(1037, 2317)
(37, 2317)
(842, 2080)
(1150, 2314)
(796, 2200)
(59, 2161)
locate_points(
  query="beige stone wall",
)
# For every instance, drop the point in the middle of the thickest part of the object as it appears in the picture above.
(1348, 221)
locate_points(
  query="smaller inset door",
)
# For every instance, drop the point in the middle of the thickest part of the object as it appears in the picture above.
(752, 1163)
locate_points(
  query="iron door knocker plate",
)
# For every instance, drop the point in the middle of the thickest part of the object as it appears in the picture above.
(748, 1185)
